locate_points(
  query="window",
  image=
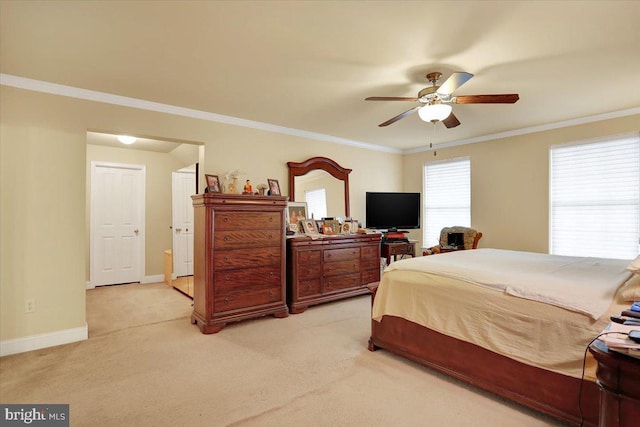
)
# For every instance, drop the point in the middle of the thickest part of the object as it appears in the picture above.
(447, 197)
(595, 198)
(316, 203)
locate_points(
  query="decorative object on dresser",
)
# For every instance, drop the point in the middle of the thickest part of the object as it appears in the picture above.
(274, 187)
(239, 259)
(213, 183)
(330, 268)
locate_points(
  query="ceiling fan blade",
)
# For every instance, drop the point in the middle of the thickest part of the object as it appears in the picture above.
(400, 116)
(451, 121)
(508, 98)
(389, 98)
(454, 82)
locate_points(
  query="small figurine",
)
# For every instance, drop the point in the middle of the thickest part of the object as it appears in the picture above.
(247, 187)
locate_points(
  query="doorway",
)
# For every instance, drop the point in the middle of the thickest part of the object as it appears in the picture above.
(117, 210)
(183, 186)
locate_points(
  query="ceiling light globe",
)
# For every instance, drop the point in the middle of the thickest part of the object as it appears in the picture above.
(435, 112)
(127, 139)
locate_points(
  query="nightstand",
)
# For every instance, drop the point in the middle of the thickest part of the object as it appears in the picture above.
(389, 249)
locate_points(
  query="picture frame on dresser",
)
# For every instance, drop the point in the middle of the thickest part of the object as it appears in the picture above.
(309, 226)
(274, 187)
(296, 211)
(213, 183)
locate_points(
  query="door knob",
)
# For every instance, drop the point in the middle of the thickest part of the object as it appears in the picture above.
(136, 231)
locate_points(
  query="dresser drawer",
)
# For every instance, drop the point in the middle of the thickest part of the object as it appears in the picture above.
(308, 287)
(370, 276)
(246, 220)
(246, 278)
(246, 287)
(338, 283)
(247, 239)
(341, 254)
(342, 267)
(370, 263)
(243, 258)
(370, 251)
(309, 257)
(309, 271)
(232, 299)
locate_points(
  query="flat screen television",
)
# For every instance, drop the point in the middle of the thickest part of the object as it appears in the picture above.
(392, 211)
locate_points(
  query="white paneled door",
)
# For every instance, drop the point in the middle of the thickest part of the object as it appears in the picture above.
(117, 227)
(184, 185)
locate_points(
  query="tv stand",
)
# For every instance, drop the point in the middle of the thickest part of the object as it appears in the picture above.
(389, 249)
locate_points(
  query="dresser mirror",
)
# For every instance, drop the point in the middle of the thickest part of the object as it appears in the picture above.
(308, 180)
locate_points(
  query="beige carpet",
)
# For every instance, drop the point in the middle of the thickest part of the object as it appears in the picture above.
(146, 365)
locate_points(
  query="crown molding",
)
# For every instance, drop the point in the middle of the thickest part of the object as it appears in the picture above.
(107, 98)
(525, 131)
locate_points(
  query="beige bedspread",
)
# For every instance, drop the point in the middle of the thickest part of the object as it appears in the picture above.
(532, 332)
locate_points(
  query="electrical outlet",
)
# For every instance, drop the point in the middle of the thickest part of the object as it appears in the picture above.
(30, 306)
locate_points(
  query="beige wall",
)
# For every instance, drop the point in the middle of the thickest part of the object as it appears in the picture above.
(43, 182)
(158, 168)
(510, 182)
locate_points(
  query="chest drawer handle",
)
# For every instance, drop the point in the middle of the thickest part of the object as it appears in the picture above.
(271, 294)
(309, 286)
(226, 300)
(226, 259)
(227, 238)
(270, 219)
(271, 274)
(226, 279)
(270, 236)
(226, 219)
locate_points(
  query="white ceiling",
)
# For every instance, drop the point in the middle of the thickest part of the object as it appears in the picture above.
(308, 65)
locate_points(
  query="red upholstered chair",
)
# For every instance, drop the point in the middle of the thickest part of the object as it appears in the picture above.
(455, 239)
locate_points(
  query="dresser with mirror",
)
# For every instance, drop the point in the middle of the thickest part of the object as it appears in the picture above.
(324, 268)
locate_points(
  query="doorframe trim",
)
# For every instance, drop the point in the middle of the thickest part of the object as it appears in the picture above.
(141, 207)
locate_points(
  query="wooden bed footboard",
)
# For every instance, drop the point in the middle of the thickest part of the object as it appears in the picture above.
(545, 391)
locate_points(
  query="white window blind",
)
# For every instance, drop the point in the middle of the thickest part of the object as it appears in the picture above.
(316, 203)
(447, 197)
(595, 198)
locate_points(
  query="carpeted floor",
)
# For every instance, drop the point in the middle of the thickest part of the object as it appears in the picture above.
(144, 364)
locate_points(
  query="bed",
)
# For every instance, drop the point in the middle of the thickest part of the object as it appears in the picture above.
(514, 323)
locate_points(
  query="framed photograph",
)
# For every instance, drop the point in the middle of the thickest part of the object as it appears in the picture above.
(213, 183)
(327, 229)
(309, 226)
(355, 226)
(274, 187)
(319, 224)
(334, 224)
(293, 227)
(296, 211)
(345, 228)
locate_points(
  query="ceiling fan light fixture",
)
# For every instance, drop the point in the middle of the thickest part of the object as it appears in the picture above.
(125, 139)
(434, 112)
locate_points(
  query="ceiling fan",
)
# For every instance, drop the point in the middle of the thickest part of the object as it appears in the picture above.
(434, 101)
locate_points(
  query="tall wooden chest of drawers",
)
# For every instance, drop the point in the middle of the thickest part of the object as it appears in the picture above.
(330, 268)
(239, 259)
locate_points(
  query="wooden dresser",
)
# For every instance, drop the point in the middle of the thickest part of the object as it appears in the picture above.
(330, 268)
(238, 260)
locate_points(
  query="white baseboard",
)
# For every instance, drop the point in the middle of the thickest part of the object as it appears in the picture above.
(90, 285)
(152, 279)
(50, 339)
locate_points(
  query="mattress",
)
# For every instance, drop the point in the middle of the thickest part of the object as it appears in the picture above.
(532, 332)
